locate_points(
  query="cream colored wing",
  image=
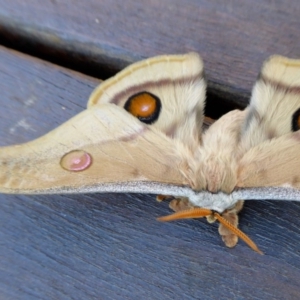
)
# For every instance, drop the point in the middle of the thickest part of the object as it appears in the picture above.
(271, 139)
(275, 102)
(165, 91)
(274, 163)
(102, 149)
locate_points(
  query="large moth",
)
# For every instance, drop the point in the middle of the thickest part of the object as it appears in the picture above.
(142, 132)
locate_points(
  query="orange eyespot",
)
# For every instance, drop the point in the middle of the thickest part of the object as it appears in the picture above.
(145, 106)
(76, 160)
(296, 120)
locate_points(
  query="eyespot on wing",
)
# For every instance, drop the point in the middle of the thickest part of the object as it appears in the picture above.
(76, 161)
(145, 106)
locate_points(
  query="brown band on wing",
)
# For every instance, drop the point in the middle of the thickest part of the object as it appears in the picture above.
(172, 129)
(251, 115)
(279, 85)
(196, 67)
(153, 84)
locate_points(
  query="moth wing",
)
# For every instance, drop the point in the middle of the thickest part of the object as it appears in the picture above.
(176, 80)
(101, 149)
(274, 163)
(270, 165)
(275, 100)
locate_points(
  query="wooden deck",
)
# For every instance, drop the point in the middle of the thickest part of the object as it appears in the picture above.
(109, 246)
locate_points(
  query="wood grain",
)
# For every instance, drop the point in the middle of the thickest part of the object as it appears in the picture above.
(109, 246)
(234, 37)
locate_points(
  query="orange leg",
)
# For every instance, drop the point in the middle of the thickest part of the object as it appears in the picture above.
(179, 204)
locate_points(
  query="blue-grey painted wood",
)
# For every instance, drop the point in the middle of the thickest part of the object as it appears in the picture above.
(110, 246)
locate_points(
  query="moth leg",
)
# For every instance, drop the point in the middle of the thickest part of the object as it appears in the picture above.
(231, 215)
(179, 204)
(160, 198)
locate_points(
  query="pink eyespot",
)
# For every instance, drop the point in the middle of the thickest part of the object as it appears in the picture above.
(76, 160)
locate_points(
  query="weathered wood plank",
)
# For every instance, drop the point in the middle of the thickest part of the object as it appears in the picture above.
(110, 246)
(234, 37)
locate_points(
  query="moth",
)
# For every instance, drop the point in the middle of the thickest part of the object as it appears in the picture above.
(142, 132)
